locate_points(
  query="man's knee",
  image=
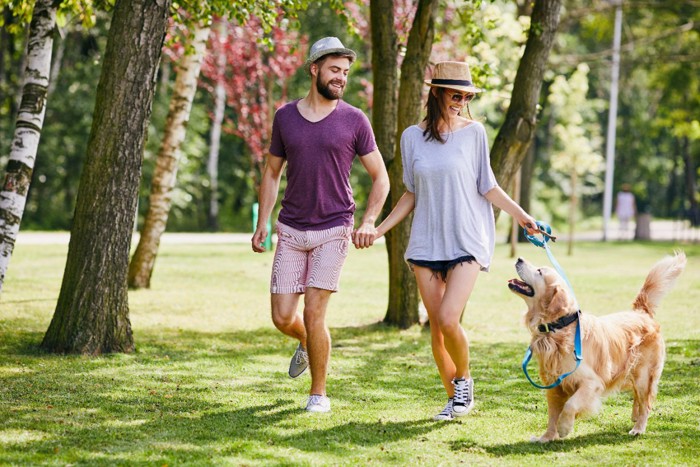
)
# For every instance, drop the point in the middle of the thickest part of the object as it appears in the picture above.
(284, 310)
(282, 321)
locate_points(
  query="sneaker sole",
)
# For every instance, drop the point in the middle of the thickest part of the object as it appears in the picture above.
(461, 414)
(298, 374)
(317, 410)
(443, 418)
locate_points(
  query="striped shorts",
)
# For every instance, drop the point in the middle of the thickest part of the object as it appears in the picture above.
(309, 258)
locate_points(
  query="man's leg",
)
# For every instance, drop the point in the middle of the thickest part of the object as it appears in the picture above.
(318, 337)
(286, 318)
(329, 250)
(286, 285)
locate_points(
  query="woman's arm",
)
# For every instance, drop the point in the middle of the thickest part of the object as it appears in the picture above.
(501, 200)
(402, 209)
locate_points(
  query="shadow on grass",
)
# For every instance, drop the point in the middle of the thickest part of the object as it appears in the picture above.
(201, 397)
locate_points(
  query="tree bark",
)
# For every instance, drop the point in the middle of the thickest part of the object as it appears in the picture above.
(402, 310)
(215, 138)
(516, 134)
(29, 122)
(92, 313)
(385, 50)
(165, 174)
(691, 183)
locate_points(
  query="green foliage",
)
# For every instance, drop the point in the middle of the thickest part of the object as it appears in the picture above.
(658, 98)
(658, 103)
(82, 11)
(67, 124)
(208, 384)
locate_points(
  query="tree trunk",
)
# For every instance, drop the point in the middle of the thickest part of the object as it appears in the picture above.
(385, 50)
(165, 174)
(573, 204)
(402, 310)
(92, 313)
(215, 137)
(691, 183)
(527, 171)
(56, 63)
(30, 120)
(516, 134)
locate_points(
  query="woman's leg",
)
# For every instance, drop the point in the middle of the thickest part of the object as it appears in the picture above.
(431, 289)
(459, 286)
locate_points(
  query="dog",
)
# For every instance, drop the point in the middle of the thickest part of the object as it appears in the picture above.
(620, 351)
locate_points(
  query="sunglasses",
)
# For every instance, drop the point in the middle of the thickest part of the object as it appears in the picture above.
(458, 98)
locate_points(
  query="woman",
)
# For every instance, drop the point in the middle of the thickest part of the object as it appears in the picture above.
(451, 188)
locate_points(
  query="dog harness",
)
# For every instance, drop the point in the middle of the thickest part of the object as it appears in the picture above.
(562, 322)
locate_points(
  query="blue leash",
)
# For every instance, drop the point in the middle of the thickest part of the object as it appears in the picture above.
(546, 232)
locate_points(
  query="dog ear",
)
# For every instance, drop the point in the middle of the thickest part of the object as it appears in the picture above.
(555, 300)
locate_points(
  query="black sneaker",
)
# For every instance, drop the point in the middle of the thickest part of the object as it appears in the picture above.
(446, 413)
(464, 396)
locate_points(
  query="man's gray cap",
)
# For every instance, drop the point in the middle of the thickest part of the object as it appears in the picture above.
(328, 45)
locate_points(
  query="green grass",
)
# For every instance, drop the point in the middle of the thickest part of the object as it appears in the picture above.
(208, 385)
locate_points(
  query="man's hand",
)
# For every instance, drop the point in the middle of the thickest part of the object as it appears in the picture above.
(364, 236)
(258, 240)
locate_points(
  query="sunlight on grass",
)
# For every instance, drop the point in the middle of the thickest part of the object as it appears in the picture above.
(15, 437)
(208, 382)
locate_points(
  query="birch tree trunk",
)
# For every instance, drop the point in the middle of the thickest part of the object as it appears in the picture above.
(92, 313)
(30, 120)
(515, 136)
(215, 138)
(165, 174)
(213, 159)
(402, 310)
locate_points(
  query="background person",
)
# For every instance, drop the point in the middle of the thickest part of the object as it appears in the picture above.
(451, 188)
(625, 209)
(317, 139)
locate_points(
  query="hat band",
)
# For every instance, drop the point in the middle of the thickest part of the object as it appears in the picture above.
(458, 82)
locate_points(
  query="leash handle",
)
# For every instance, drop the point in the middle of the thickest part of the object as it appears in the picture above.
(546, 232)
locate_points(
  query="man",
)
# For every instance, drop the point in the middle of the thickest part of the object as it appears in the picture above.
(317, 138)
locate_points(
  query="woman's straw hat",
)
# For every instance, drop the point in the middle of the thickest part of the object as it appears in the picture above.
(452, 75)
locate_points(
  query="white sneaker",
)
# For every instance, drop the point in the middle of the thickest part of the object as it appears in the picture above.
(318, 403)
(446, 413)
(464, 396)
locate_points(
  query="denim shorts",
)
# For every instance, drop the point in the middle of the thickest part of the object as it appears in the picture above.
(441, 268)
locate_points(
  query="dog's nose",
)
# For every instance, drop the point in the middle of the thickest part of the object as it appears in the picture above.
(520, 260)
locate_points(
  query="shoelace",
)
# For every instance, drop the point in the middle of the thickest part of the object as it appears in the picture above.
(316, 400)
(447, 411)
(302, 357)
(462, 392)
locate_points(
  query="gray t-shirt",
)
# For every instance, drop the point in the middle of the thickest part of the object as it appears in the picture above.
(451, 216)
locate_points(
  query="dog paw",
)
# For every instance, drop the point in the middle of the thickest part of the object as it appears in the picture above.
(543, 439)
(565, 427)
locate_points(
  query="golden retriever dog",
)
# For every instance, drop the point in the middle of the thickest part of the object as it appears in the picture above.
(620, 351)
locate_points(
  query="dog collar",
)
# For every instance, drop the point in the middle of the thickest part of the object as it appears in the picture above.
(561, 323)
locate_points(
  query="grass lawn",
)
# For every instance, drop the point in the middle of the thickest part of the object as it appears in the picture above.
(208, 383)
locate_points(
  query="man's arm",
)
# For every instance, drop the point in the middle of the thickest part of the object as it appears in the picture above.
(364, 236)
(269, 186)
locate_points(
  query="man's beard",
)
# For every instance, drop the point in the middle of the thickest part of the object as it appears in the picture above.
(325, 91)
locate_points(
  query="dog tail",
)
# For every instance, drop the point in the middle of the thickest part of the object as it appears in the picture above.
(659, 281)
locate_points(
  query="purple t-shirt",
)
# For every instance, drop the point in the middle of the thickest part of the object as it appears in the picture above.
(319, 158)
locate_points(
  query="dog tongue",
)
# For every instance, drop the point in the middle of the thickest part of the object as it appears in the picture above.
(520, 287)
